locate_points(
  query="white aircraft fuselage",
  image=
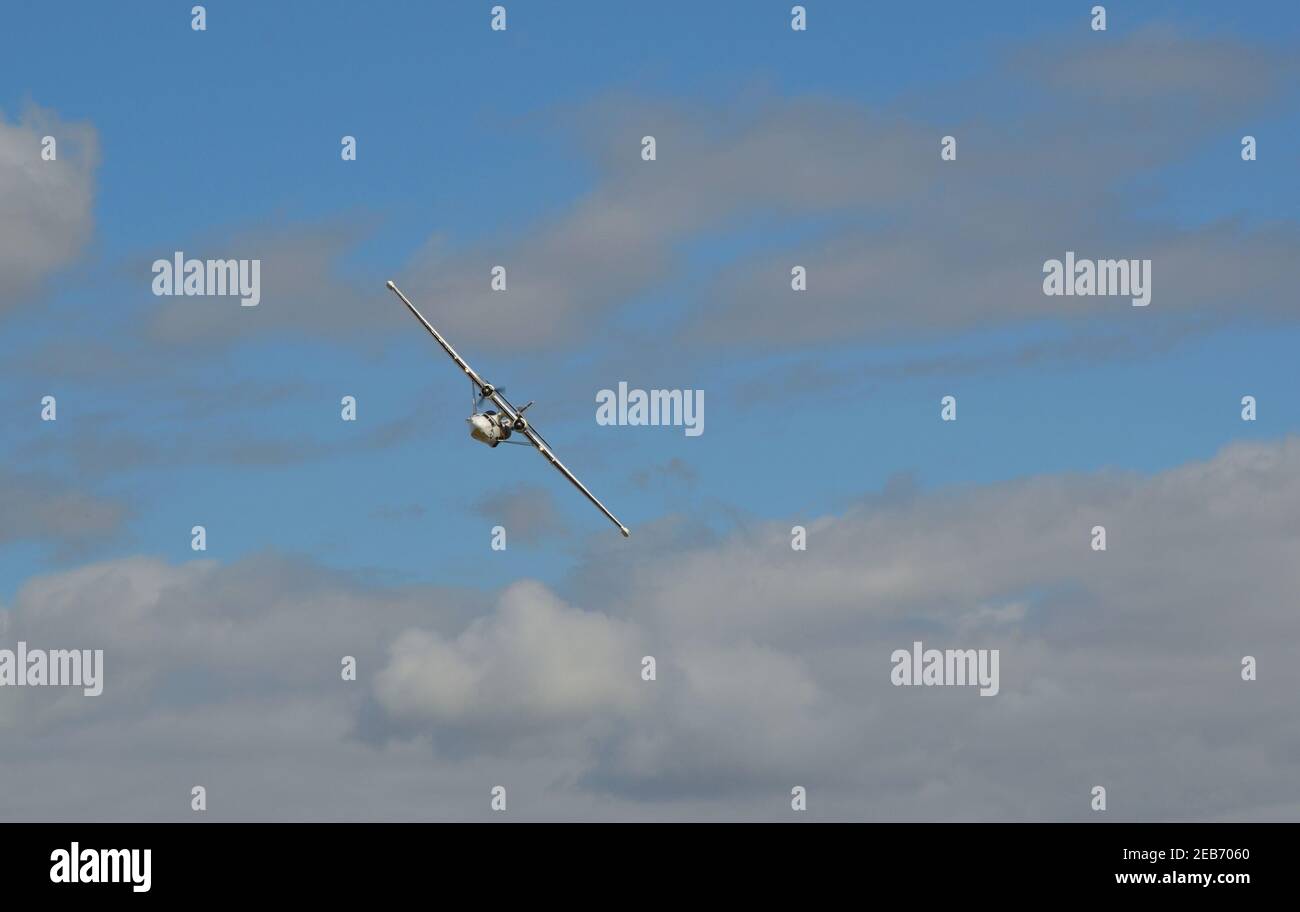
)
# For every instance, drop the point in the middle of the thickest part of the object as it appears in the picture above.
(489, 427)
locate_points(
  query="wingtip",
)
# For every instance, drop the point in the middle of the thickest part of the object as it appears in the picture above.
(390, 284)
(623, 529)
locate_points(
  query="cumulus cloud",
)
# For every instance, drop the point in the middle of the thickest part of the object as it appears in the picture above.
(1114, 664)
(533, 662)
(1119, 668)
(45, 206)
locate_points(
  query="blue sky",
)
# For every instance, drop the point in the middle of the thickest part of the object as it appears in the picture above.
(207, 134)
(479, 147)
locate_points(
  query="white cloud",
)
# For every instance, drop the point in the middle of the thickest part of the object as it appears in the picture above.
(534, 661)
(1118, 668)
(45, 206)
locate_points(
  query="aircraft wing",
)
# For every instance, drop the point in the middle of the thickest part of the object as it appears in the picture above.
(502, 403)
(537, 441)
(446, 346)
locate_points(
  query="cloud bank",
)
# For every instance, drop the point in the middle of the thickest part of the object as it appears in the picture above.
(1119, 668)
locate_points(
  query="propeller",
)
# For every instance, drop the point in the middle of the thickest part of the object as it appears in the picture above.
(478, 402)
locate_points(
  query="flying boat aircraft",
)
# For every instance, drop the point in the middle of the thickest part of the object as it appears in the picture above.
(496, 426)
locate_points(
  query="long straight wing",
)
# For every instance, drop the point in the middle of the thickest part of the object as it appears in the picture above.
(509, 410)
(446, 346)
(542, 448)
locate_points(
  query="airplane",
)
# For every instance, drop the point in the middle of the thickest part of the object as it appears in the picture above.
(496, 427)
